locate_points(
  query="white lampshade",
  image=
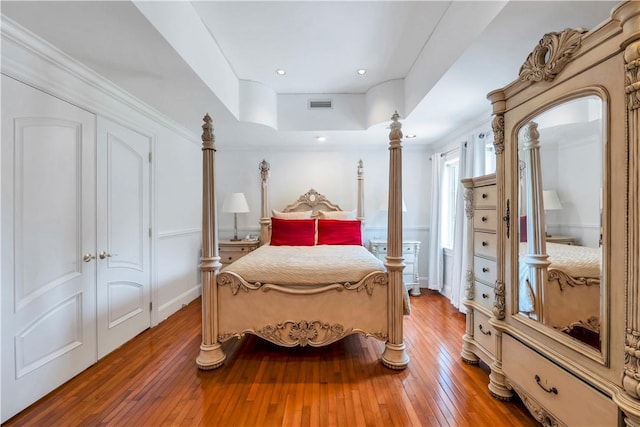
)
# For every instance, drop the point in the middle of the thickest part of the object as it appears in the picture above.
(550, 200)
(235, 203)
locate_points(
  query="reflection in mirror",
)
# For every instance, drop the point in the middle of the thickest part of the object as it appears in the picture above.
(560, 202)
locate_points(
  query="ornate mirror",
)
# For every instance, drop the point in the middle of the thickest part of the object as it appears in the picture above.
(560, 154)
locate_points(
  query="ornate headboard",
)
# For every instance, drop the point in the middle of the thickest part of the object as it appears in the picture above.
(311, 200)
(314, 201)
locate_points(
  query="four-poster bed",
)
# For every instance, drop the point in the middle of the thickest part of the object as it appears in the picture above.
(311, 282)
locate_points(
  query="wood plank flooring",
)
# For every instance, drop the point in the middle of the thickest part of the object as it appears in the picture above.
(153, 381)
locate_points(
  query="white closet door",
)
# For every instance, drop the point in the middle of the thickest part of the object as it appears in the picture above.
(48, 244)
(123, 235)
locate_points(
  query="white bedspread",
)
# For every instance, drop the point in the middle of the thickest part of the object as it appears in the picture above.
(576, 261)
(306, 265)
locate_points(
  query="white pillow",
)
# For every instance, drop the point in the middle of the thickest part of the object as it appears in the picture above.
(291, 215)
(337, 214)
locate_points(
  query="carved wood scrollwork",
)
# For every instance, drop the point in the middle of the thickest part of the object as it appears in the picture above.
(468, 202)
(469, 290)
(565, 280)
(497, 124)
(632, 363)
(553, 52)
(303, 333)
(312, 199)
(237, 283)
(499, 305)
(538, 412)
(632, 84)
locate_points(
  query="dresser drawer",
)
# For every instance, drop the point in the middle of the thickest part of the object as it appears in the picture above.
(484, 295)
(229, 256)
(485, 196)
(485, 219)
(485, 244)
(230, 251)
(564, 396)
(483, 333)
(484, 270)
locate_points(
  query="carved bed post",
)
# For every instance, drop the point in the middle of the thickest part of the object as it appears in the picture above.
(360, 211)
(211, 354)
(536, 258)
(395, 355)
(265, 220)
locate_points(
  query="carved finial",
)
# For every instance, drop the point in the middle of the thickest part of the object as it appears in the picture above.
(264, 169)
(396, 133)
(360, 167)
(208, 139)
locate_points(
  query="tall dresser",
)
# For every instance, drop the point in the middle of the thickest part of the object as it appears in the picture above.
(479, 340)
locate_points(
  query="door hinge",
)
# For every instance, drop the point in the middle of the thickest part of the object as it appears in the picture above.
(150, 305)
(150, 156)
(150, 234)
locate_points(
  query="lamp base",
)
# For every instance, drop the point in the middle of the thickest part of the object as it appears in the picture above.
(235, 239)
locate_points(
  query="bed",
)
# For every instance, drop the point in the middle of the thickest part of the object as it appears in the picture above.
(311, 282)
(559, 284)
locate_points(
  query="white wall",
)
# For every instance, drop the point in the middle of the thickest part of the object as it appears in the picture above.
(574, 170)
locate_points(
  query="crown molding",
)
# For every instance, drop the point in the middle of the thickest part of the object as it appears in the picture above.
(103, 97)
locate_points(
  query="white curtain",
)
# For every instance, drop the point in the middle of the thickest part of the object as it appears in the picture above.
(436, 262)
(469, 165)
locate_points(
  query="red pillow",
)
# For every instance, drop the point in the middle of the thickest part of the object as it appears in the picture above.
(293, 232)
(339, 232)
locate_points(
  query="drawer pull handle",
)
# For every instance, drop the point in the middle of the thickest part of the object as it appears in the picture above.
(230, 258)
(485, 195)
(485, 243)
(542, 386)
(485, 270)
(485, 332)
(484, 219)
(485, 296)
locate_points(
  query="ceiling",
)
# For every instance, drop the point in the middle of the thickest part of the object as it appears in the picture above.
(433, 61)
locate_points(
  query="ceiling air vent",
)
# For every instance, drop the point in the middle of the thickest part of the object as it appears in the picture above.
(315, 104)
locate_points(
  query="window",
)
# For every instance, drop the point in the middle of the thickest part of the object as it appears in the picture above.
(450, 183)
(489, 158)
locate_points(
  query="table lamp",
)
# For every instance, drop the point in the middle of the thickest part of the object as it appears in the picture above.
(235, 203)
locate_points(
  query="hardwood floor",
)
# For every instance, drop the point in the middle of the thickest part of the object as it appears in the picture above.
(153, 381)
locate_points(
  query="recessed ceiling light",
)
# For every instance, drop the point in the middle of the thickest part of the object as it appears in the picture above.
(411, 135)
(280, 72)
(321, 138)
(361, 72)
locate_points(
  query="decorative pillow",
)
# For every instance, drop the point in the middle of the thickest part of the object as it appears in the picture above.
(337, 214)
(294, 214)
(339, 232)
(293, 232)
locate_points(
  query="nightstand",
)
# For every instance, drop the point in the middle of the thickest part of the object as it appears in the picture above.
(410, 250)
(230, 250)
(564, 240)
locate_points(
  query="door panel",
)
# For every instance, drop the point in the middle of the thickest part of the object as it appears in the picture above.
(48, 225)
(123, 236)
